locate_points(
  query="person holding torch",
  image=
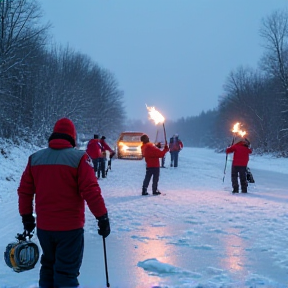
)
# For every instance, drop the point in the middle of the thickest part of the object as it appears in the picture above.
(241, 149)
(151, 153)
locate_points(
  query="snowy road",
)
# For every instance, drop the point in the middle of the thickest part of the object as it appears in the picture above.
(197, 235)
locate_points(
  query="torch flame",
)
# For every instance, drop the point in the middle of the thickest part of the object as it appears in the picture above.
(155, 115)
(236, 129)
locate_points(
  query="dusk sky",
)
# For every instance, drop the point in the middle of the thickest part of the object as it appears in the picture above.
(171, 54)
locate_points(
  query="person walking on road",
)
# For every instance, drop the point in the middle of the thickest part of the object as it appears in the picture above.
(97, 153)
(241, 149)
(151, 153)
(106, 147)
(175, 146)
(58, 180)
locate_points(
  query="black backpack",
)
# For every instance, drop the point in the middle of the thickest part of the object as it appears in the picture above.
(250, 177)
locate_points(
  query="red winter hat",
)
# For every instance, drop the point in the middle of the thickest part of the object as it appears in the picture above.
(65, 126)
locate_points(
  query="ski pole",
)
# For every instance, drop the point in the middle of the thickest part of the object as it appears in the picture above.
(227, 158)
(225, 167)
(108, 166)
(106, 268)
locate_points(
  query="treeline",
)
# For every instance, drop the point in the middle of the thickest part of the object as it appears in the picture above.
(257, 98)
(41, 82)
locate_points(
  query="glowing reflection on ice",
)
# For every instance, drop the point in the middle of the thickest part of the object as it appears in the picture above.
(235, 250)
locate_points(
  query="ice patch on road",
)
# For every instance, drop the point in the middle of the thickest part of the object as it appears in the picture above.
(156, 267)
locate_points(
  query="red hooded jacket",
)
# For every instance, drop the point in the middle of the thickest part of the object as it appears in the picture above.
(94, 149)
(61, 179)
(241, 153)
(175, 144)
(152, 154)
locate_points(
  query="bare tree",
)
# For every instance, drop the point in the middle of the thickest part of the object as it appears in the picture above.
(21, 37)
(251, 99)
(274, 31)
(106, 111)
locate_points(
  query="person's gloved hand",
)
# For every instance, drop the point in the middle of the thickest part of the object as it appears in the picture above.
(112, 154)
(28, 221)
(104, 225)
(158, 145)
(166, 147)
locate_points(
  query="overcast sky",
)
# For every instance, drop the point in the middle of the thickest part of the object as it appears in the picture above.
(171, 54)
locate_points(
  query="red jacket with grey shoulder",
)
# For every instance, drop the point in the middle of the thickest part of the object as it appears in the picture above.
(152, 154)
(94, 148)
(241, 153)
(61, 179)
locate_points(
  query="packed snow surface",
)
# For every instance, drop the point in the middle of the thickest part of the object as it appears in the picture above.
(198, 234)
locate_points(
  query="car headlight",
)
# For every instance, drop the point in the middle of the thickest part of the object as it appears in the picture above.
(122, 147)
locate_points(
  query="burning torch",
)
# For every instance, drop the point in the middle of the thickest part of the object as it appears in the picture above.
(157, 117)
(236, 130)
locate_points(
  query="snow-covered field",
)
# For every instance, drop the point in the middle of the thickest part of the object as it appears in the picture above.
(197, 235)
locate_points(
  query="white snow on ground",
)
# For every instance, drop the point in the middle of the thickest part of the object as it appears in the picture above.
(197, 235)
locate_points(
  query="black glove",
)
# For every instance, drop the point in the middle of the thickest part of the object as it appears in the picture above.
(104, 225)
(112, 154)
(28, 221)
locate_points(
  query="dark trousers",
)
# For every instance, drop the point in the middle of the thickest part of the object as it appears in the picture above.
(174, 158)
(155, 172)
(62, 257)
(163, 161)
(99, 166)
(95, 164)
(241, 171)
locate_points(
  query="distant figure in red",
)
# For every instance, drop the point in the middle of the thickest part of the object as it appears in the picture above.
(58, 181)
(94, 150)
(175, 146)
(106, 147)
(151, 153)
(241, 149)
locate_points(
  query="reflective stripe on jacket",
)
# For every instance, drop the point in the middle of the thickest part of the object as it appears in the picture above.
(60, 179)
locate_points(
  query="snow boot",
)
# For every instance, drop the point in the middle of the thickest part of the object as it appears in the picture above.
(235, 190)
(157, 192)
(144, 191)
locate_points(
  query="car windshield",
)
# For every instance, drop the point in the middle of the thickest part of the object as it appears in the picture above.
(131, 138)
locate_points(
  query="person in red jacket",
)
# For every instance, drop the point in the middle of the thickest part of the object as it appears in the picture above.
(96, 152)
(241, 149)
(175, 146)
(106, 147)
(59, 179)
(151, 153)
